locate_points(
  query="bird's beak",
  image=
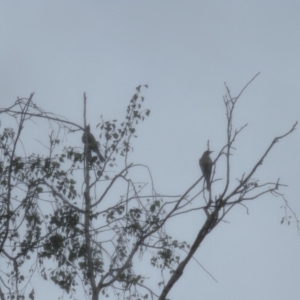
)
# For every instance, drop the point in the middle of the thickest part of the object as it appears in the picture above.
(211, 152)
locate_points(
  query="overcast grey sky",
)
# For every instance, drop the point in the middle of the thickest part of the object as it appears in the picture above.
(184, 51)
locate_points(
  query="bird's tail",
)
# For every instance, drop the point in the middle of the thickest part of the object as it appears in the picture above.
(100, 155)
(208, 183)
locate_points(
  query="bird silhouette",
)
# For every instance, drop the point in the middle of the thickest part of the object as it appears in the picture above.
(89, 139)
(205, 163)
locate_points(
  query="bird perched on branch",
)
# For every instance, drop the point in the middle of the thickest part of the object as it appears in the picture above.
(205, 163)
(89, 139)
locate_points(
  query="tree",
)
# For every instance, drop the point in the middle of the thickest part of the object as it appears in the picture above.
(95, 218)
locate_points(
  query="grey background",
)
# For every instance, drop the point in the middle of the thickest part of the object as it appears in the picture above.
(184, 51)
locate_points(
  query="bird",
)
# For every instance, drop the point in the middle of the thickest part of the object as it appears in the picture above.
(205, 163)
(92, 144)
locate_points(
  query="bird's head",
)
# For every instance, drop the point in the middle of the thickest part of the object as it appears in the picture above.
(207, 152)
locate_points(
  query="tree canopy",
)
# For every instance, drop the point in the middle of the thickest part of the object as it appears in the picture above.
(81, 217)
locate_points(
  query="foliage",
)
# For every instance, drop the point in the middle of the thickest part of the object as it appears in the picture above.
(94, 220)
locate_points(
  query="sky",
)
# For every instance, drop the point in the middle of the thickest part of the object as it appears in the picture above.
(184, 51)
